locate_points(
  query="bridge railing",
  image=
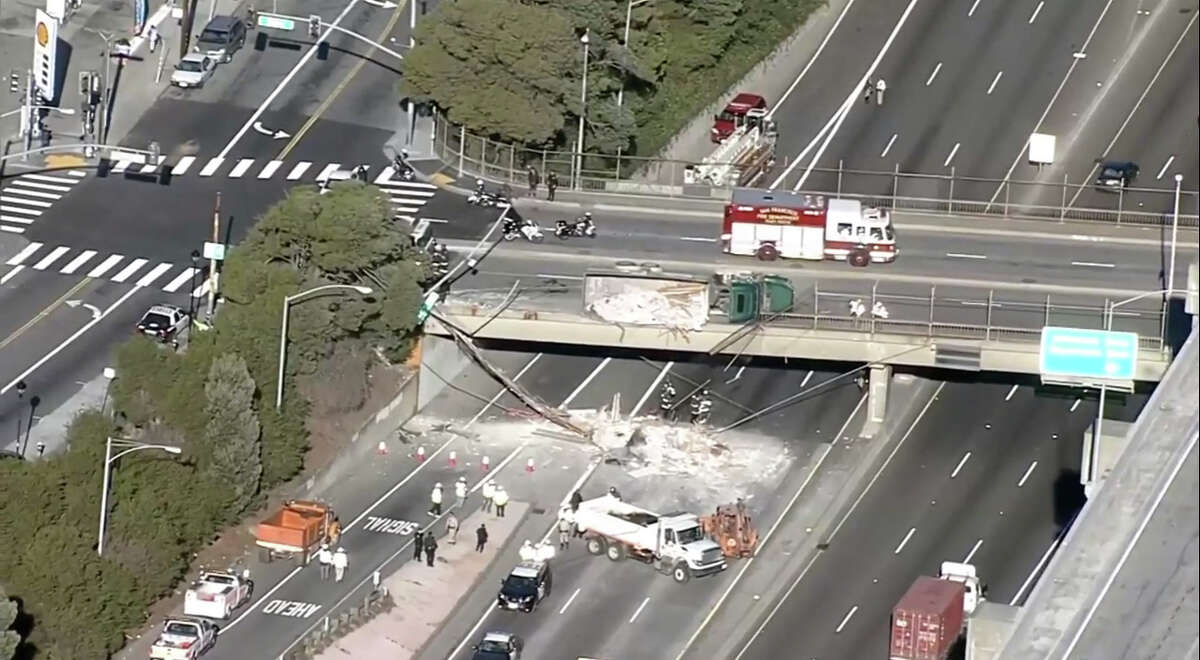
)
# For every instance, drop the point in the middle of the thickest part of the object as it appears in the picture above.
(945, 193)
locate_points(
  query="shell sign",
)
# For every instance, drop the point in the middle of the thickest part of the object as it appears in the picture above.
(45, 47)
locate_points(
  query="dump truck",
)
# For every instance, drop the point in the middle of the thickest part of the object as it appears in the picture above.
(216, 595)
(183, 639)
(296, 530)
(645, 296)
(932, 614)
(674, 544)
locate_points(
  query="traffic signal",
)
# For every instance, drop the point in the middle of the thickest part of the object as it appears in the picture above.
(323, 51)
(314, 26)
(85, 84)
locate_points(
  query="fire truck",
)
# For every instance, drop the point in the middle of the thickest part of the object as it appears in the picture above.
(742, 158)
(734, 115)
(772, 224)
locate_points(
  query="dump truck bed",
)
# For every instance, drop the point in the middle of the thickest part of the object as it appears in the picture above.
(297, 526)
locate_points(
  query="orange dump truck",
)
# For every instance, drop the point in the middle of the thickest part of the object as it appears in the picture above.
(296, 530)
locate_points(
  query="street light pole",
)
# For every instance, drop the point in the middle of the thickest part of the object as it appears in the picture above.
(1174, 235)
(129, 447)
(582, 113)
(625, 42)
(283, 327)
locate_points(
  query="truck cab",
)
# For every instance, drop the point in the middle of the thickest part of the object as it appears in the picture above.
(973, 588)
(746, 297)
(735, 114)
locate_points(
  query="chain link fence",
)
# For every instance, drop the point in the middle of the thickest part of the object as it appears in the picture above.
(948, 193)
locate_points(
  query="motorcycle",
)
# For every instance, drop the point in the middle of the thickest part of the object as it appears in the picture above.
(579, 228)
(528, 229)
(486, 199)
(403, 169)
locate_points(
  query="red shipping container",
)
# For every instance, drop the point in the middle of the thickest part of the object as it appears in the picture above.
(927, 620)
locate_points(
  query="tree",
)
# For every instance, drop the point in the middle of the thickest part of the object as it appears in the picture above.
(233, 432)
(499, 67)
(9, 638)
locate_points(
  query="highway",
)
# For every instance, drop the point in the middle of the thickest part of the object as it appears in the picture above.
(968, 82)
(993, 486)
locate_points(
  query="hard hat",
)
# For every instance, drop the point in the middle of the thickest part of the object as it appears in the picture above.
(462, 479)
(438, 485)
(612, 489)
(324, 546)
(528, 542)
(341, 549)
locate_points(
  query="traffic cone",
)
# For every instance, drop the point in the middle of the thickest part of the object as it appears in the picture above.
(421, 454)
(529, 465)
(453, 459)
(486, 463)
(382, 448)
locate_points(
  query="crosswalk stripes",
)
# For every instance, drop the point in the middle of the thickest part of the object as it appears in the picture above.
(114, 267)
(24, 198)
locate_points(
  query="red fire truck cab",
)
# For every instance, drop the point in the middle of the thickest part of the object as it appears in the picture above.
(773, 224)
(734, 115)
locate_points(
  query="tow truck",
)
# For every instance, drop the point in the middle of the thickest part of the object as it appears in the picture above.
(184, 639)
(770, 224)
(746, 151)
(216, 595)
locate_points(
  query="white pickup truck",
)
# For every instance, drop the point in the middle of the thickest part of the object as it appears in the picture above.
(217, 595)
(184, 639)
(674, 544)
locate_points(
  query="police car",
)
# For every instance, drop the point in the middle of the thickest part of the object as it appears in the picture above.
(526, 586)
(498, 646)
(164, 323)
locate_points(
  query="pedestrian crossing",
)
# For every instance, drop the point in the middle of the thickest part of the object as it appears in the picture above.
(24, 198)
(407, 196)
(142, 273)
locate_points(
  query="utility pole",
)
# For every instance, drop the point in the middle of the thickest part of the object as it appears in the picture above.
(212, 262)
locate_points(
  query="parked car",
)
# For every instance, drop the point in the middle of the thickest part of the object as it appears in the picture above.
(164, 323)
(193, 70)
(221, 38)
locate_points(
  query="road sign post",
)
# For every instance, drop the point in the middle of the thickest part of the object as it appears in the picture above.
(1089, 358)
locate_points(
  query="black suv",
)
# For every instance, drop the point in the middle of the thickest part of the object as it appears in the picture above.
(1116, 174)
(525, 587)
(222, 37)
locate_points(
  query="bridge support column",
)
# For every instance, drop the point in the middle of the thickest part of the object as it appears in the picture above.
(877, 399)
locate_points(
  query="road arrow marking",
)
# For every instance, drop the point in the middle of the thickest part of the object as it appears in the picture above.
(382, 5)
(88, 306)
(275, 135)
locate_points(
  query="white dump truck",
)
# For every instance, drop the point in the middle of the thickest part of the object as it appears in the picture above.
(673, 544)
(184, 639)
(216, 595)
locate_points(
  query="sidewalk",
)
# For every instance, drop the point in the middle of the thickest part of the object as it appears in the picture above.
(426, 597)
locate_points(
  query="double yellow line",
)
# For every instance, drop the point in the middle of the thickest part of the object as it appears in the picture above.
(44, 313)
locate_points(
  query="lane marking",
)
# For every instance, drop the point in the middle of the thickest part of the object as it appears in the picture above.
(308, 55)
(21, 182)
(26, 201)
(154, 274)
(995, 80)
(1112, 577)
(958, 468)
(328, 171)
(946, 163)
(298, 170)
(738, 375)
(565, 605)
(547, 276)
(241, 167)
(1028, 472)
(1074, 405)
(42, 314)
(888, 147)
(584, 383)
(491, 402)
(24, 254)
(211, 166)
(1037, 10)
(121, 166)
(76, 263)
(1009, 396)
(1092, 264)
(903, 543)
(963, 255)
(51, 179)
(106, 265)
(1037, 567)
(1167, 164)
(183, 165)
(69, 340)
(186, 275)
(929, 80)
(649, 390)
(18, 209)
(812, 60)
(846, 619)
(971, 554)
(750, 562)
(270, 169)
(128, 271)
(49, 259)
(971, 11)
(11, 274)
(639, 610)
(698, 239)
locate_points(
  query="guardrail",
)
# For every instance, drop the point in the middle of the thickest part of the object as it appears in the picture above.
(946, 193)
(336, 625)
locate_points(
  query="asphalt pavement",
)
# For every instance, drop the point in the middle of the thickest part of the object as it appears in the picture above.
(988, 476)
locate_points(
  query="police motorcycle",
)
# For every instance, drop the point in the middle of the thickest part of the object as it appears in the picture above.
(485, 198)
(581, 227)
(400, 165)
(514, 228)
(359, 173)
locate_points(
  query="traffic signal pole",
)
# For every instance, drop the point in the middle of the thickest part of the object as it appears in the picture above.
(315, 25)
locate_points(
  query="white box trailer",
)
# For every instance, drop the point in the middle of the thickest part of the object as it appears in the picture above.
(674, 544)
